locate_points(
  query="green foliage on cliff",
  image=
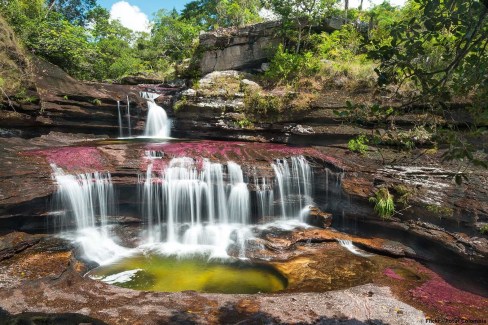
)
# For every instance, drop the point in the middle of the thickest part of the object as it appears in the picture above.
(212, 14)
(384, 205)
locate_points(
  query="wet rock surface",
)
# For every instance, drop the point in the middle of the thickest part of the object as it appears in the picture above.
(46, 282)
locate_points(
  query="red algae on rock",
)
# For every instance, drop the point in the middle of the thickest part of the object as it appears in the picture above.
(447, 300)
(73, 159)
(391, 274)
(242, 152)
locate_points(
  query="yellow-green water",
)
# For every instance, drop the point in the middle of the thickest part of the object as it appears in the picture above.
(169, 274)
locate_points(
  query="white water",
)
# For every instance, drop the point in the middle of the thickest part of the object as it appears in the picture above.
(128, 117)
(196, 210)
(189, 207)
(265, 198)
(157, 123)
(121, 134)
(347, 244)
(89, 200)
(294, 185)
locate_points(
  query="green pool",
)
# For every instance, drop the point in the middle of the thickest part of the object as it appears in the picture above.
(171, 274)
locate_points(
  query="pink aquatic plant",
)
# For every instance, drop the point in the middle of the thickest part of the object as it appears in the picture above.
(243, 152)
(391, 274)
(71, 159)
(448, 300)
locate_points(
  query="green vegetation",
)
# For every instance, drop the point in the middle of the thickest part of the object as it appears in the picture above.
(440, 211)
(384, 205)
(404, 194)
(484, 230)
(358, 144)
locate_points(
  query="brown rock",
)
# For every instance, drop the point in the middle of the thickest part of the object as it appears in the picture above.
(318, 218)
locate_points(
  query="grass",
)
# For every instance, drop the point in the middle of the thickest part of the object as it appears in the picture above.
(384, 203)
(440, 211)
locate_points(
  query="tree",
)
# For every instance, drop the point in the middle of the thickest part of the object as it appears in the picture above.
(173, 36)
(299, 16)
(75, 11)
(238, 12)
(211, 14)
(441, 42)
(441, 47)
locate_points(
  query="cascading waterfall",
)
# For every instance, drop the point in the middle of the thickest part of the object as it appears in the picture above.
(157, 124)
(294, 180)
(202, 210)
(265, 198)
(128, 117)
(89, 200)
(190, 206)
(347, 244)
(121, 134)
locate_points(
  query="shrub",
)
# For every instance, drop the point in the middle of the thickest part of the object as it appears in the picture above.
(358, 144)
(484, 229)
(288, 67)
(440, 211)
(384, 204)
(262, 106)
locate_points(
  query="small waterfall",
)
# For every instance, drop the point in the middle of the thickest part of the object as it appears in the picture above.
(128, 117)
(85, 196)
(202, 210)
(347, 244)
(157, 123)
(121, 134)
(265, 198)
(294, 180)
(239, 198)
(89, 200)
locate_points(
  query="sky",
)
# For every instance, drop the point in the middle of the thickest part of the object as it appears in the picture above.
(136, 14)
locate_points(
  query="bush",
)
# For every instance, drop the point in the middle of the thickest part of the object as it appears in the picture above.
(258, 105)
(358, 144)
(288, 67)
(384, 204)
(341, 45)
(125, 65)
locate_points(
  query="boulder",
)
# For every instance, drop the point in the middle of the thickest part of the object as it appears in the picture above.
(238, 48)
(318, 218)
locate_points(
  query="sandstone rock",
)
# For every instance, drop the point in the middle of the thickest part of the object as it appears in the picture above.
(318, 218)
(233, 48)
(250, 85)
(189, 92)
(16, 242)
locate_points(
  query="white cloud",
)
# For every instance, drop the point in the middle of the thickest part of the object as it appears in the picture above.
(130, 16)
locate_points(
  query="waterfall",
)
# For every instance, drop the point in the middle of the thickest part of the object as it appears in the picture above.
(265, 198)
(347, 244)
(128, 117)
(157, 124)
(86, 198)
(121, 134)
(294, 180)
(190, 206)
(202, 210)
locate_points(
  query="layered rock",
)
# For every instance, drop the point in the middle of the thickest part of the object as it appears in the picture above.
(238, 48)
